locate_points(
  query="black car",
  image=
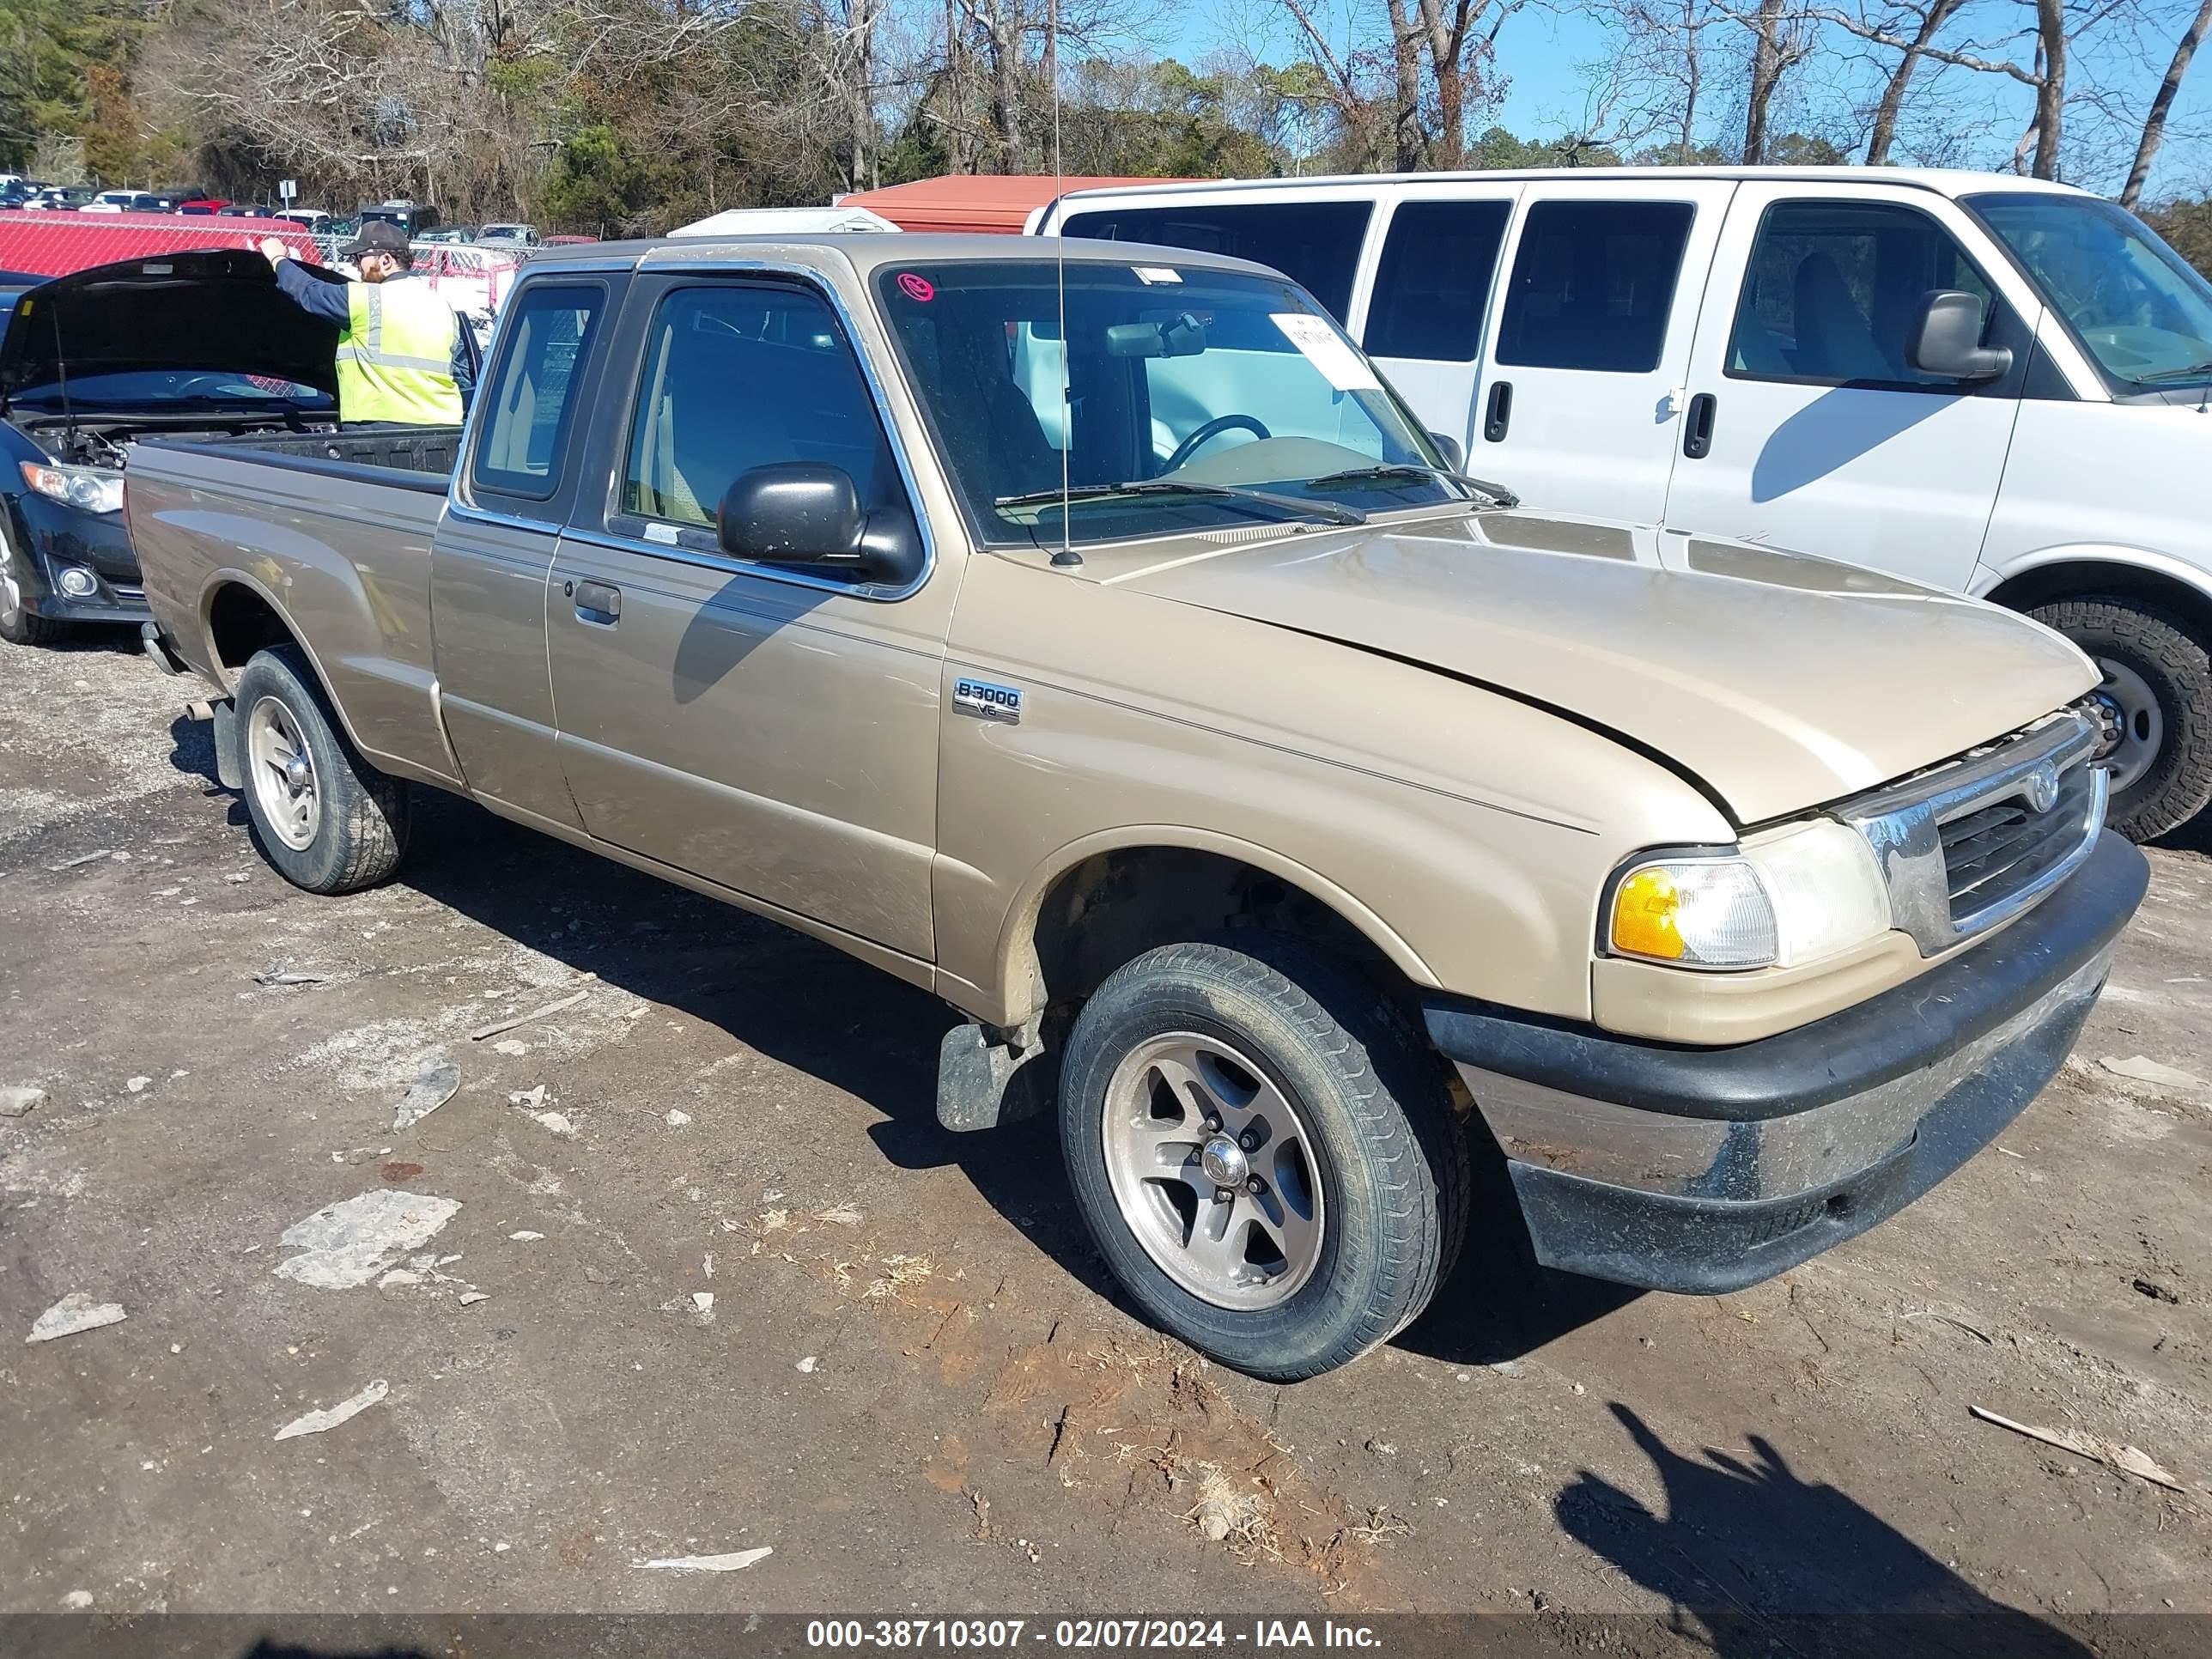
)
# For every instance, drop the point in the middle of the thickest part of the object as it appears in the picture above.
(184, 345)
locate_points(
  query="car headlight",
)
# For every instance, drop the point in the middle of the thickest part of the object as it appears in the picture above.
(91, 488)
(1792, 897)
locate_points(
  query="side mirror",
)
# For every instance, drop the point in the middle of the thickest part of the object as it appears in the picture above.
(1455, 457)
(809, 512)
(1945, 339)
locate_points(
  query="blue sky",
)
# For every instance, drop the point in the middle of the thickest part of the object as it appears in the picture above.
(1542, 52)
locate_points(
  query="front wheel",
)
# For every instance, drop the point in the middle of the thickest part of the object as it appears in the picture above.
(2155, 701)
(17, 625)
(326, 818)
(1264, 1154)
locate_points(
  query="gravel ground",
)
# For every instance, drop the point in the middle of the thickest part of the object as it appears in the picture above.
(724, 1286)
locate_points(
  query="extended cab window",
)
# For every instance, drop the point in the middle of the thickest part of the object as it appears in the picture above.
(1593, 283)
(1315, 244)
(548, 327)
(741, 375)
(1433, 284)
(1834, 288)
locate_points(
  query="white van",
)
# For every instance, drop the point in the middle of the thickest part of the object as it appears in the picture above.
(1984, 383)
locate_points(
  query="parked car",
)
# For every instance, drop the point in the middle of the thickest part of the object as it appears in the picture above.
(412, 217)
(449, 233)
(509, 236)
(1990, 384)
(317, 221)
(245, 210)
(203, 206)
(126, 201)
(1270, 796)
(60, 199)
(187, 344)
(13, 286)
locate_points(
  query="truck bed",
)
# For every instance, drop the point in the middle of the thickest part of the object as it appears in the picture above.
(336, 525)
(426, 451)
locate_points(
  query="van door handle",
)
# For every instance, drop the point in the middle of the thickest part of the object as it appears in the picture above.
(599, 604)
(1698, 430)
(1499, 415)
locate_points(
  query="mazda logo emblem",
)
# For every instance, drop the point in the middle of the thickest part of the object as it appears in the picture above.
(2042, 788)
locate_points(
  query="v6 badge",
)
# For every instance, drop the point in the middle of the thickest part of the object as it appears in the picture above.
(987, 701)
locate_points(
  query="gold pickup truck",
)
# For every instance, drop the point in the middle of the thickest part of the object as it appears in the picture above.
(1085, 634)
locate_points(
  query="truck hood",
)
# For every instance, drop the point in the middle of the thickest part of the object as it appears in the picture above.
(1778, 681)
(219, 311)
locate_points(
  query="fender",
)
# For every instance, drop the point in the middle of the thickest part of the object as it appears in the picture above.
(1016, 968)
(398, 766)
(1988, 578)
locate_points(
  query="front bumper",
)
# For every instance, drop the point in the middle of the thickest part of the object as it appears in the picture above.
(46, 537)
(1706, 1169)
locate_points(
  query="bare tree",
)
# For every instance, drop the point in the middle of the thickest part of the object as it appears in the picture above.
(2161, 105)
(1460, 36)
(1780, 39)
(1929, 20)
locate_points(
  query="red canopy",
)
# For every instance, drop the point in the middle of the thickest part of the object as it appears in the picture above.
(1000, 201)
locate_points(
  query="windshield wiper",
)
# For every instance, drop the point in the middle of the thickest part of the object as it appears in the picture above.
(2188, 374)
(1329, 512)
(1498, 495)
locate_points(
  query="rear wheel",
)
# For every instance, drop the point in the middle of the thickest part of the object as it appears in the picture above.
(2155, 701)
(1265, 1155)
(326, 819)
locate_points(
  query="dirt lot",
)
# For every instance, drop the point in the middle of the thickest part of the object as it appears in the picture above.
(911, 1381)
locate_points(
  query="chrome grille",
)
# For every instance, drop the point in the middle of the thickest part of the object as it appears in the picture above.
(1991, 853)
(1974, 843)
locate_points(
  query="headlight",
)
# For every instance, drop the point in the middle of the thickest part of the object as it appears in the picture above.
(91, 488)
(1792, 897)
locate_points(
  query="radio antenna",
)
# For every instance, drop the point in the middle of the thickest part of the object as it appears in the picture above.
(1067, 556)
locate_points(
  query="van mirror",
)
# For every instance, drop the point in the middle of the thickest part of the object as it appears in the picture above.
(1455, 457)
(1945, 339)
(809, 512)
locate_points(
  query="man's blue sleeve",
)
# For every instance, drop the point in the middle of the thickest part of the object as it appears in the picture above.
(464, 373)
(318, 299)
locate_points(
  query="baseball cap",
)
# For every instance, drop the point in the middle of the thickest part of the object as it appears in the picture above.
(377, 235)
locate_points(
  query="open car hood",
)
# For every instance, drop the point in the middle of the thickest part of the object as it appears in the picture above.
(219, 311)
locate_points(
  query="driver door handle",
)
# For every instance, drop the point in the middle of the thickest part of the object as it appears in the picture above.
(599, 604)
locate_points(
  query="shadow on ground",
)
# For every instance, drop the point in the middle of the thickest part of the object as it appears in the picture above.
(1765, 1562)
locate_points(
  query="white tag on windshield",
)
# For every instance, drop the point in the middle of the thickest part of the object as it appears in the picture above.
(1317, 342)
(1153, 274)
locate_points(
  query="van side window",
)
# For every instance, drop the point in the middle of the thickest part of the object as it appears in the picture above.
(1315, 244)
(1832, 288)
(1593, 283)
(1433, 284)
(741, 375)
(547, 331)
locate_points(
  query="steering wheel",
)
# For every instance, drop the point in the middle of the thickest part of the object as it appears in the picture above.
(1213, 429)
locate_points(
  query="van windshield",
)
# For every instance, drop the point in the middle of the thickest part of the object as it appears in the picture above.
(2135, 304)
(1196, 399)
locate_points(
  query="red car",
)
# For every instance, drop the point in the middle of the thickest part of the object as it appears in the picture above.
(203, 204)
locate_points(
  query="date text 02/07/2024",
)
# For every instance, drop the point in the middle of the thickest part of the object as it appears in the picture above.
(1264, 1636)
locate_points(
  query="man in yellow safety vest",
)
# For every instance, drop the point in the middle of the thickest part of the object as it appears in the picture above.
(401, 356)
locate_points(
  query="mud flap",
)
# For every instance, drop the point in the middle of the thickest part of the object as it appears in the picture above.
(981, 1083)
(229, 765)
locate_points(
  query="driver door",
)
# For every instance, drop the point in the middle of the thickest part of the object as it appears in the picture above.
(770, 729)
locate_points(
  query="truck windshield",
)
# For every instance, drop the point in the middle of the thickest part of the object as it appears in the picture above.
(1196, 398)
(2135, 304)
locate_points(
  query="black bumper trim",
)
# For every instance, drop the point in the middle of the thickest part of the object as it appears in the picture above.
(1709, 1246)
(1902, 1031)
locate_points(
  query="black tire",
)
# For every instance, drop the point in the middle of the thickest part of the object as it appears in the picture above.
(1392, 1159)
(362, 819)
(2177, 669)
(19, 626)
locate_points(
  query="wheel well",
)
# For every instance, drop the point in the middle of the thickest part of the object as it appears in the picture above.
(2088, 578)
(1116, 906)
(240, 623)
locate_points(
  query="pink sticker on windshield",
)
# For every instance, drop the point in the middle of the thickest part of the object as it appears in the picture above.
(916, 288)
